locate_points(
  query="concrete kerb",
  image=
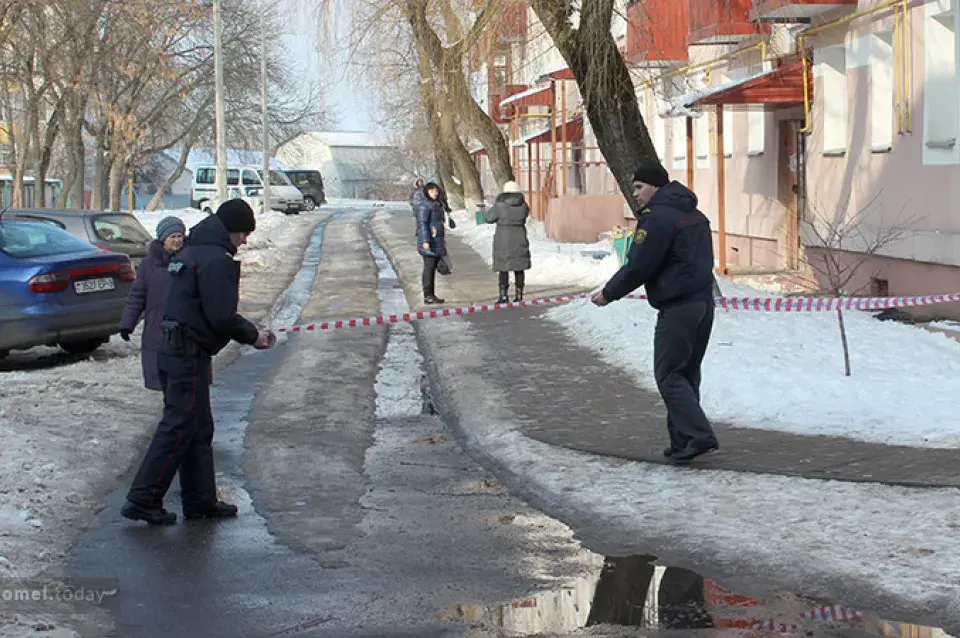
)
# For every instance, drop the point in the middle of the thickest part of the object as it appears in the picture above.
(473, 409)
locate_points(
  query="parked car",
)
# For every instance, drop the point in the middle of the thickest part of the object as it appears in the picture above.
(310, 184)
(248, 182)
(56, 289)
(112, 231)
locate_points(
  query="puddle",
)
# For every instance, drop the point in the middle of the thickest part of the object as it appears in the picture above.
(634, 592)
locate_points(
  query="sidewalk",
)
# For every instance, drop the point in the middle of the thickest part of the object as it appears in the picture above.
(561, 394)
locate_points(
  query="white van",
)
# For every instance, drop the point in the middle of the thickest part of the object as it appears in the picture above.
(248, 182)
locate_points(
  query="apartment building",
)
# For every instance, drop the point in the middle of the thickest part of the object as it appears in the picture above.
(860, 134)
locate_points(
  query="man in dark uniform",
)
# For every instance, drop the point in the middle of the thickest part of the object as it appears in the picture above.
(672, 255)
(200, 319)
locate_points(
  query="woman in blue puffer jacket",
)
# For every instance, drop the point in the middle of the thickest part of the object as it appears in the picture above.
(430, 239)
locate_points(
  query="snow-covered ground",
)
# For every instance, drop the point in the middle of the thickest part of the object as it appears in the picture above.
(70, 425)
(784, 370)
(570, 265)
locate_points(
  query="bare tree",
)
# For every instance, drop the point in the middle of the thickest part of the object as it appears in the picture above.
(604, 81)
(841, 244)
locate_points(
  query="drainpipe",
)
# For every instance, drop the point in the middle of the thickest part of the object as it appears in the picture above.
(721, 194)
(690, 166)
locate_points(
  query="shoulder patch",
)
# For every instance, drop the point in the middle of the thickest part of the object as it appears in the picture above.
(175, 266)
(639, 236)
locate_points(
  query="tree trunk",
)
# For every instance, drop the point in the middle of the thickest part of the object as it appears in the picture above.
(479, 123)
(621, 592)
(45, 153)
(605, 84)
(118, 174)
(157, 198)
(843, 343)
(79, 168)
(463, 164)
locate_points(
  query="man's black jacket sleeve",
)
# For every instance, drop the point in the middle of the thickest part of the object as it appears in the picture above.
(650, 247)
(219, 296)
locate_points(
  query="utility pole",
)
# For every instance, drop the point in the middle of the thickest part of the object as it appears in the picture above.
(221, 180)
(264, 96)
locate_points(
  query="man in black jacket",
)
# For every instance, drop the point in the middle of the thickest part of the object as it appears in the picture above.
(200, 319)
(672, 256)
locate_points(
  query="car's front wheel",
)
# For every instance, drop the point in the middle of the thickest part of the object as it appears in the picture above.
(82, 347)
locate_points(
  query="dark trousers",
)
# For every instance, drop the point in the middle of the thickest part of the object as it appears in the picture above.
(429, 277)
(184, 438)
(518, 278)
(679, 345)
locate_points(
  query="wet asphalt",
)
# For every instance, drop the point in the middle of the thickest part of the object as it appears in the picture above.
(435, 532)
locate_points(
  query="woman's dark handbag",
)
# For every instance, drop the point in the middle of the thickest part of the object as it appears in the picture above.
(445, 266)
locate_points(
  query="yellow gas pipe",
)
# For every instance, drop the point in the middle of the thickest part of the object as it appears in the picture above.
(802, 50)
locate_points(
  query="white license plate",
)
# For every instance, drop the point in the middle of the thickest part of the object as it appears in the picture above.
(85, 286)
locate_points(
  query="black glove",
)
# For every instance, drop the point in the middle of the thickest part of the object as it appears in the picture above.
(124, 334)
(453, 224)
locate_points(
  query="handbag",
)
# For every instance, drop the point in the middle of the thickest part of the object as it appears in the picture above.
(445, 265)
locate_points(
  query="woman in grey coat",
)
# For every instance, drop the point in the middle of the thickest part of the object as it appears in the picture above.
(511, 248)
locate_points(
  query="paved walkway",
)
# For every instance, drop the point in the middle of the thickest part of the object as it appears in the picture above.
(562, 394)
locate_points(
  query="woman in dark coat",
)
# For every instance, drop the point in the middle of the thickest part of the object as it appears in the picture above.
(430, 239)
(511, 247)
(146, 298)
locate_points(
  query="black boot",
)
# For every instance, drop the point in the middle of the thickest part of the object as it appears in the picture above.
(504, 294)
(214, 510)
(519, 295)
(430, 298)
(154, 516)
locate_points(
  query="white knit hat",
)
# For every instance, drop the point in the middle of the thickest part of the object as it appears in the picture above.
(512, 187)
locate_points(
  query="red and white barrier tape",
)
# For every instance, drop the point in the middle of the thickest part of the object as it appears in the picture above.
(823, 614)
(763, 304)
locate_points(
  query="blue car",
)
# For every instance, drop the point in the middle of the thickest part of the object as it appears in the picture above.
(56, 289)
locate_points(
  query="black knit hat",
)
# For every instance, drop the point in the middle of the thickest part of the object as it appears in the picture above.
(652, 173)
(237, 216)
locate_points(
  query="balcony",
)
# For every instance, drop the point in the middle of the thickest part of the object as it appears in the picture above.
(794, 11)
(657, 32)
(722, 22)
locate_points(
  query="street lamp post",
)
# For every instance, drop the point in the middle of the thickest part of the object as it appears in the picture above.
(264, 95)
(221, 179)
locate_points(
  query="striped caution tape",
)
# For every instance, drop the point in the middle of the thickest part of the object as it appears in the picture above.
(830, 613)
(763, 304)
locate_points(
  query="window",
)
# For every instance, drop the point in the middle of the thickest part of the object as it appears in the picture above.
(32, 240)
(881, 91)
(832, 68)
(276, 178)
(679, 143)
(251, 179)
(879, 287)
(756, 116)
(205, 176)
(941, 96)
(121, 229)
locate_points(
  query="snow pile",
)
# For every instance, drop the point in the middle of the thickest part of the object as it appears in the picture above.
(892, 397)
(553, 263)
(266, 248)
(190, 217)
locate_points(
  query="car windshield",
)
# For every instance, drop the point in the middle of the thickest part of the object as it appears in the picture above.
(120, 229)
(307, 179)
(28, 240)
(276, 178)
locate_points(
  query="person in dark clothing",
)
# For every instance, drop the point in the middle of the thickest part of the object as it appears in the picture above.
(416, 194)
(511, 247)
(200, 319)
(672, 256)
(147, 295)
(430, 239)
